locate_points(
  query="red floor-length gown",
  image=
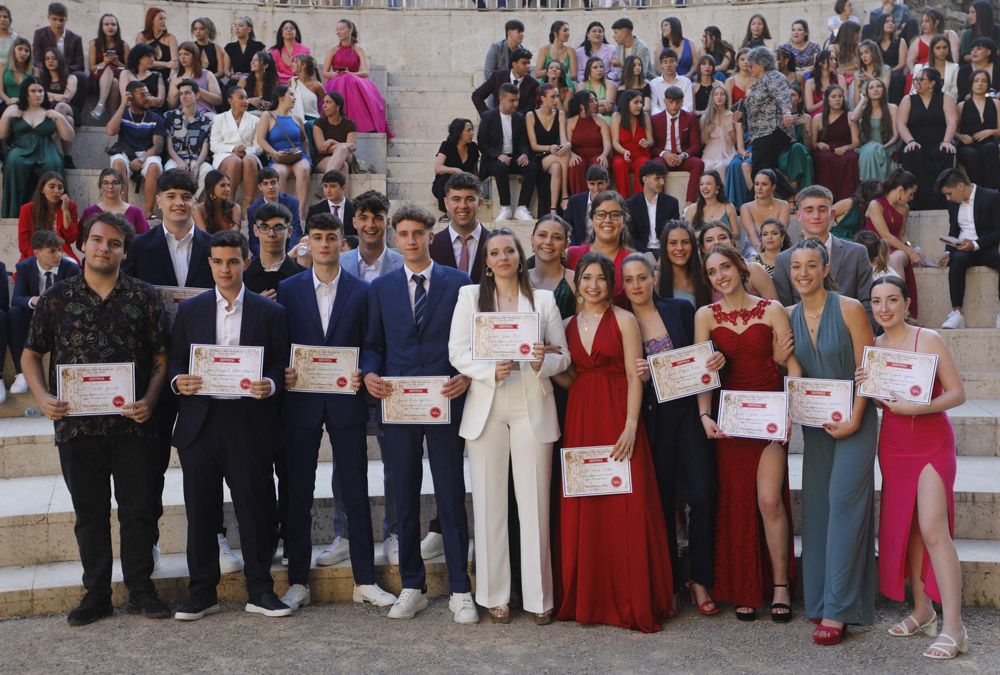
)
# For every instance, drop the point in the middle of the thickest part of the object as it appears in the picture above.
(588, 143)
(615, 560)
(840, 173)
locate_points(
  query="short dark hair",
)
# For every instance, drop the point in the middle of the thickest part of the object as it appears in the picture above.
(186, 82)
(58, 9)
(176, 179)
(509, 88)
(22, 93)
(622, 23)
(371, 201)
(673, 94)
(353, 241)
(656, 168)
(272, 210)
(668, 53)
(324, 221)
(231, 239)
(114, 220)
(987, 42)
(950, 178)
(596, 172)
(334, 177)
(266, 173)
(519, 54)
(135, 54)
(41, 239)
(417, 214)
(463, 180)
(513, 24)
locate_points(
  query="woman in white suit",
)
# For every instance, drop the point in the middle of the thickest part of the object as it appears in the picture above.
(510, 420)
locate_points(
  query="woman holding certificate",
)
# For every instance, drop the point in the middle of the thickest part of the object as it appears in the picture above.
(838, 470)
(615, 560)
(753, 540)
(509, 420)
(917, 457)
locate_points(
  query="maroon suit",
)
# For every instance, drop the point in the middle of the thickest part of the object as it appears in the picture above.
(689, 140)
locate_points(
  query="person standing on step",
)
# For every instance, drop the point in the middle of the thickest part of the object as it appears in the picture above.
(504, 149)
(273, 265)
(57, 36)
(105, 316)
(498, 55)
(267, 185)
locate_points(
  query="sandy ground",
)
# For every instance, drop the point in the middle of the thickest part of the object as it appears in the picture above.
(356, 639)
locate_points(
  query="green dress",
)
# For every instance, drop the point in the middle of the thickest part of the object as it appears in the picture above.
(601, 94)
(32, 152)
(874, 161)
(11, 87)
(796, 162)
(565, 299)
(838, 486)
(569, 78)
(849, 225)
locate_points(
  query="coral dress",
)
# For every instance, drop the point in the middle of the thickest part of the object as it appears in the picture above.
(589, 144)
(743, 574)
(906, 445)
(894, 221)
(363, 104)
(615, 560)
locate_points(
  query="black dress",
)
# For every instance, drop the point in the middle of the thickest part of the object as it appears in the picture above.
(211, 57)
(927, 126)
(981, 159)
(545, 136)
(239, 60)
(897, 79)
(454, 160)
(702, 97)
(161, 52)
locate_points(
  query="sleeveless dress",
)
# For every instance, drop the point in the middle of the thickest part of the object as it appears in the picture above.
(601, 93)
(981, 159)
(874, 161)
(838, 485)
(742, 565)
(894, 221)
(363, 104)
(565, 62)
(201, 104)
(211, 57)
(685, 60)
(545, 136)
(796, 161)
(629, 140)
(839, 173)
(31, 153)
(927, 126)
(718, 149)
(738, 94)
(906, 445)
(574, 253)
(286, 135)
(161, 52)
(849, 224)
(701, 98)
(614, 555)
(588, 143)
(565, 299)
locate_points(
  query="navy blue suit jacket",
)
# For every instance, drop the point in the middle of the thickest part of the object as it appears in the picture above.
(289, 202)
(148, 259)
(263, 325)
(576, 215)
(666, 209)
(678, 318)
(305, 327)
(26, 285)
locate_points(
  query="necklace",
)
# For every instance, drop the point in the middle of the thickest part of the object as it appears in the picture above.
(898, 343)
(586, 324)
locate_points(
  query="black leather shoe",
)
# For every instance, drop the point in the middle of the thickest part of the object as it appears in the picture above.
(149, 605)
(92, 608)
(268, 604)
(195, 608)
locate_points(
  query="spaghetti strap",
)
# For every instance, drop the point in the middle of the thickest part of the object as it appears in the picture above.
(916, 338)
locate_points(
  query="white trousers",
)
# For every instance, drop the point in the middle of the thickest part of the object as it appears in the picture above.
(508, 440)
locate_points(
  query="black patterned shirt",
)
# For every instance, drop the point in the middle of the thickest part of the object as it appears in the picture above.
(78, 326)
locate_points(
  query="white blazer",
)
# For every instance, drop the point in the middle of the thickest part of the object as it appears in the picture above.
(537, 386)
(226, 135)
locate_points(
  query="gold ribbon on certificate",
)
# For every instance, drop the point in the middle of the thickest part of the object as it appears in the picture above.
(814, 402)
(416, 400)
(892, 373)
(324, 370)
(96, 388)
(589, 472)
(502, 336)
(754, 414)
(226, 370)
(173, 296)
(681, 372)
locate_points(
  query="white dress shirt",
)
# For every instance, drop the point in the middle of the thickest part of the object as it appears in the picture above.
(228, 321)
(657, 86)
(967, 221)
(674, 124)
(507, 147)
(473, 245)
(180, 253)
(326, 294)
(371, 272)
(412, 286)
(340, 207)
(654, 241)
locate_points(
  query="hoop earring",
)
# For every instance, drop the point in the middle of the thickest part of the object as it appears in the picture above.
(489, 272)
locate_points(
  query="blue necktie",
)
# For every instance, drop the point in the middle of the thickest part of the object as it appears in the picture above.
(419, 300)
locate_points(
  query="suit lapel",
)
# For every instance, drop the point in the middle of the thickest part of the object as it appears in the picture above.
(438, 283)
(344, 287)
(308, 293)
(248, 322)
(164, 255)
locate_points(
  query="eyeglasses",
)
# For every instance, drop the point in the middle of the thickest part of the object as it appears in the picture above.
(614, 216)
(274, 229)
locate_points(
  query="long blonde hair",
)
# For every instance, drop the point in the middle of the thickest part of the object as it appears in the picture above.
(713, 115)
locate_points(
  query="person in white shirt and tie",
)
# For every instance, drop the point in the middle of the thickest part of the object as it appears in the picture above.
(458, 246)
(335, 202)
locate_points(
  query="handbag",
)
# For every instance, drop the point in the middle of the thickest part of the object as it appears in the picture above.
(287, 156)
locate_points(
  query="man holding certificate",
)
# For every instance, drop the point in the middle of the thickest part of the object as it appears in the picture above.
(405, 361)
(109, 332)
(233, 343)
(326, 318)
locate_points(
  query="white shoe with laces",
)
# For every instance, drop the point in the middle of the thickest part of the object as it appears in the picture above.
(956, 320)
(504, 214)
(464, 608)
(338, 551)
(228, 562)
(297, 596)
(411, 601)
(432, 546)
(20, 385)
(373, 594)
(390, 548)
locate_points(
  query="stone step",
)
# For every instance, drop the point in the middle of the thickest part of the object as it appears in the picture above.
(410, 169)
(413, 147)
(981, 304)
(437, 81)
(447, 102)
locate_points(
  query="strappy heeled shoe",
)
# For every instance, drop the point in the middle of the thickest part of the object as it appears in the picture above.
(781, 617)
(946, 647)
(707, 608)
(543, 619)
(500, 614)
(902, 629)
(746, 615)
(829, 636)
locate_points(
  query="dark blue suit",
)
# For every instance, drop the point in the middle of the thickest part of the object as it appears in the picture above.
(394, 347)
(235, 440)
(26, 286)
(345, 418)
(290, 203)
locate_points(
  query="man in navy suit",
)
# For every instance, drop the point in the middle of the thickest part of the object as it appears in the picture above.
(34, 276)
(327, 308)
(577, 212)
(267, 183)
(458, 245)
(409, 323)
(335, 202)
(229, 438)
(651, 208)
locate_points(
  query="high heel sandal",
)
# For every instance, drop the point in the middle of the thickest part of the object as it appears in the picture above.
(707, 608)
(746, 616)
(829, 636)
(500, 614)
(948, 647)
(543, 619)
(781, 617)
(902, 629)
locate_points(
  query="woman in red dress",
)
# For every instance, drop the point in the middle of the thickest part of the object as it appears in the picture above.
(632, 138)
(614, 554)
(609, 213)
(834, 139)
(753, 538)
(50, 208)
(590, 137)
(886, 216)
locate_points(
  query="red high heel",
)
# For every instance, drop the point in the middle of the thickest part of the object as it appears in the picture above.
(707, 608)
(829, 636)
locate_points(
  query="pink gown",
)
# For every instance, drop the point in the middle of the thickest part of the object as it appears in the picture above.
(719, 149)
(363, 104)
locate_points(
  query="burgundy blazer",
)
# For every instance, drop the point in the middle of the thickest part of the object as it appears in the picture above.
(73, 52)
(690, 135)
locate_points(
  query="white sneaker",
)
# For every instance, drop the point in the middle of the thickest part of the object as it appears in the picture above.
(297, 596)
(156, 554)
(522, 213)
(228, 562)
(3, 391)
(338, 551)
(464, 608)
(432, 546)
(956, 320)
(390, 548)
(373, 595)
(504, 214)
(20, 385)
(411, 601)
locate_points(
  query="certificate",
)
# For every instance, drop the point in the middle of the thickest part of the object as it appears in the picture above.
(499, 336)
(589, 472)
(172, 296)
(96, 388)
(324, 370)
(892, 373)
(814, 402)
(681, 372)
(416, 400)
(754, 414)
(226, 370)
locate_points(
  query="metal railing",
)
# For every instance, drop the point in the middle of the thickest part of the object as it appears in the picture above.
(509, 5)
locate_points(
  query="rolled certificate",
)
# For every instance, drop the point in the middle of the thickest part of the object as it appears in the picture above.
(682, 372)
(173, 296)
(226, 370)
(416, 400)
(590, 471)
(893, 374)
(96, 388)
(502, 336)
(814, 402)
(754, 414)
(324, 370)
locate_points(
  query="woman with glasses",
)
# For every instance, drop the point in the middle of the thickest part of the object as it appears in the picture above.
(610, 216)
(112, 200)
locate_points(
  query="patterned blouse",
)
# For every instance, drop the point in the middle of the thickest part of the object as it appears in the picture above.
(805, 57)
(765, 103)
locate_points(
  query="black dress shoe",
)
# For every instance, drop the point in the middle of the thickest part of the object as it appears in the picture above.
(268, 604)
(148, 604)
(92, 608)
(197, 607)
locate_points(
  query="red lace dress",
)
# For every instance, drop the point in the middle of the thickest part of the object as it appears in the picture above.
(614, 556)
(743, 574)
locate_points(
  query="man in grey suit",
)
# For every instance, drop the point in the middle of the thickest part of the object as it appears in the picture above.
(849, 266)
(498, 55)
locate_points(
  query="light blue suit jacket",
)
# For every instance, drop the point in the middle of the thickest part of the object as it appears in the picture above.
(349, 262)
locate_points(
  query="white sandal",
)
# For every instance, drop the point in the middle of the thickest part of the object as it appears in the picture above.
(902, 629)
(947, 647)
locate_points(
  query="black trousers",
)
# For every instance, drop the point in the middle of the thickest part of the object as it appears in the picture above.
(959, 263)
(981, 162)
(437, 189)
(18, 322)
(501, 172)
(766, 150)
(88, 465)
(226, 448)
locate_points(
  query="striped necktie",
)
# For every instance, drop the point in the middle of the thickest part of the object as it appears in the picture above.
(419, 300)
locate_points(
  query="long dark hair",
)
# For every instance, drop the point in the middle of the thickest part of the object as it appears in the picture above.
(270, 76)
(607, 267)
(984, 20)
(934, 41)
(216, 211)
(826, 108)
(702, 294)
(817, 71)
(898, 178)
(279, 42)
(866, 192)
(936, 17)
(61, 68)
(194, 51)
(586, 37)
(720, 195)
(43, 214)
(623, 108)
(22, 93)
(786, 241)
(488, 284)
(676, 39)
(554, 30)
(878, 33)
(629, 80)
(580, 100)
(101, 43)
(766, 35)
(456, 127)
(885, 130)
(934, 76)
(847, 41)
(590, 64)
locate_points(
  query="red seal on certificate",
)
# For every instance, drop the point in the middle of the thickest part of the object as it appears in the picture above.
(616, 481)
(772, 427)
(341, 382)
(706, 378)
(836, 416)
(525, 348)
(245, 383)
(435, 412)
(118, 401)
(915, 390)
